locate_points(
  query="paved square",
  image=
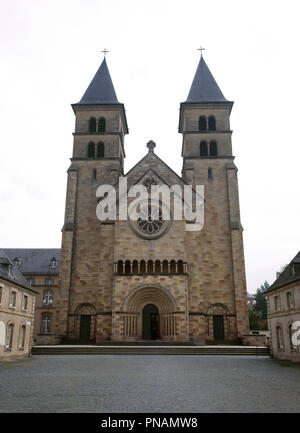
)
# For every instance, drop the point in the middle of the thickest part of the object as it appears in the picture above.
(154, 383)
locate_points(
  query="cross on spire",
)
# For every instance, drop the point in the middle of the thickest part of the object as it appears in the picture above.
(105, 51)
(201, 49)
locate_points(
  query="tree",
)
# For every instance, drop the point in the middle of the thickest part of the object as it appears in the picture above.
(259, 313)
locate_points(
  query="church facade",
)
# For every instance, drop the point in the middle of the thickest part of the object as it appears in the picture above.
(152, 280)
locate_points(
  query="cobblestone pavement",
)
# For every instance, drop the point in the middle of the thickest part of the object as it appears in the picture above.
(154, 383)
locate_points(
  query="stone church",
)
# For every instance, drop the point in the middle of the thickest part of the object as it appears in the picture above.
(130, 282)
(152, 279)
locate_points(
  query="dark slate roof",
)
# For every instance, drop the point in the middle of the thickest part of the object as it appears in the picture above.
(204, 87)
(35, 260)
(286, 276)
(101, 89)
(15, 276)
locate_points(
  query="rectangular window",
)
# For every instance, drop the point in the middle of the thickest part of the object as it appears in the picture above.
(277, 303)
(22, 337)
(49, 282)
(9, 336)
(30, 281)
(25, 303)
(12, 299)
(289, 299)
(46, 324)
(48, 297)
(279, 337)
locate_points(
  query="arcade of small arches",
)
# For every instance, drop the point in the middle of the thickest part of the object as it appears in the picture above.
(158, 267)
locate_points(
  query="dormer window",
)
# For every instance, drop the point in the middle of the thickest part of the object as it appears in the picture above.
(53, 263)
(292, 271)
(9, 270)
(17, 261)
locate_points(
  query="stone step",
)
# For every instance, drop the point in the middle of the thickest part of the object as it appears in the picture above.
(150, 350)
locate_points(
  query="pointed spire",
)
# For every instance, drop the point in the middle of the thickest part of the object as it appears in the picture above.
(204, 87)
(101, 89)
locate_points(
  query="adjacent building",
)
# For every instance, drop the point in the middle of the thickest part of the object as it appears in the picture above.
(40, 267)
(17, 306)
(283, 310)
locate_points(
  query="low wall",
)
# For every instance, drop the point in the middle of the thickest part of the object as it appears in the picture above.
(254, 340)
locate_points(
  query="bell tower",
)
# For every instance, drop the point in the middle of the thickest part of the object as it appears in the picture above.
(207, 160)
(98, 158)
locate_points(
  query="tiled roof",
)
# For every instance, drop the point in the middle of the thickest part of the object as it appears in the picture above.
(12, 273)
(204, 87)
(101, 89)
(35, 260)
(291, 273)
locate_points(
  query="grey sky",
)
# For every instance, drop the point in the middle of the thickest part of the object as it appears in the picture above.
(50, 51)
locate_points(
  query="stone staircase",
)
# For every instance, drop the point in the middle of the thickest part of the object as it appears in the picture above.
(150, 349)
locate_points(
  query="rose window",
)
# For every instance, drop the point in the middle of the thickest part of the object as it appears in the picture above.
(150, 220)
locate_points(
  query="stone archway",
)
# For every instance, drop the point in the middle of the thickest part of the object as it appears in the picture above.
(217, 322)
(135, 303)
(85, 322)
(150, 322)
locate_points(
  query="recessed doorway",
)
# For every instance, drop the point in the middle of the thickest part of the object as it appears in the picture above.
(150, 322)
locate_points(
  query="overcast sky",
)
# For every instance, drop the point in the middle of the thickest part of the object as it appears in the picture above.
(50, 51)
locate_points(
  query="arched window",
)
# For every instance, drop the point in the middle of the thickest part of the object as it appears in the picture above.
(46, 323)
(91, 150)
(165, 267)
(202, 123)
(9, 336)
(173, 267)
(279, 335)
(212, 123)
(143, 267)
(135, 267)
(48, 297)
(213, 149)
(120, 267)
(22, 336)
(101, 125)
(127, 267)
(180, 266)
(92, 124)
(150, 267)
(100, 150)
(157, 267)
(203, 148)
